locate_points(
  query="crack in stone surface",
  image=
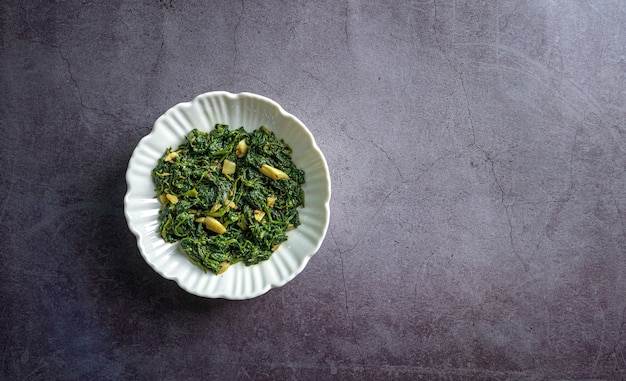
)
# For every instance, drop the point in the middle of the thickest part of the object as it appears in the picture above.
(571, 161)
(474, 143)
(469, 111)
(235, 41)
(345, 288)
(461, 76)
(346, 32)
(387, 155)
(507, 212)
(78, 90)
(436, 33)
(390, 159)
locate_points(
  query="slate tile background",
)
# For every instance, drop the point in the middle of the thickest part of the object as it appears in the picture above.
(476, 151)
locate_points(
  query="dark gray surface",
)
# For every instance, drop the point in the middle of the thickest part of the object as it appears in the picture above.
(478, 212)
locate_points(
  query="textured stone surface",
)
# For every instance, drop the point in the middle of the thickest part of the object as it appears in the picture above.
(479, 189)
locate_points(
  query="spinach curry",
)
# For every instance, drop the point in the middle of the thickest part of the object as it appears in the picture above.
(228, 196)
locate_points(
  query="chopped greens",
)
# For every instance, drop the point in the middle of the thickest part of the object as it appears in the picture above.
(228, 196)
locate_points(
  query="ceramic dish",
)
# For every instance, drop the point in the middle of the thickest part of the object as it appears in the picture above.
(239, 281)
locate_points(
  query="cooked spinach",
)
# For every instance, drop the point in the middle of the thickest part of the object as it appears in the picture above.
(228, 195)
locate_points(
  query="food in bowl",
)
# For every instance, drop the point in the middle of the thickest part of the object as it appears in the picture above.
(228, 196)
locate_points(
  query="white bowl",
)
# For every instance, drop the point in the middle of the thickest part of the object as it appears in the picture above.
(203, 112)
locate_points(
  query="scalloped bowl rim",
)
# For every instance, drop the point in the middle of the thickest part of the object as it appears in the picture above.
(167, 259)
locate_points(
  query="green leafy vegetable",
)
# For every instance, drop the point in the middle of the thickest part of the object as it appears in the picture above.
(228, 196)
